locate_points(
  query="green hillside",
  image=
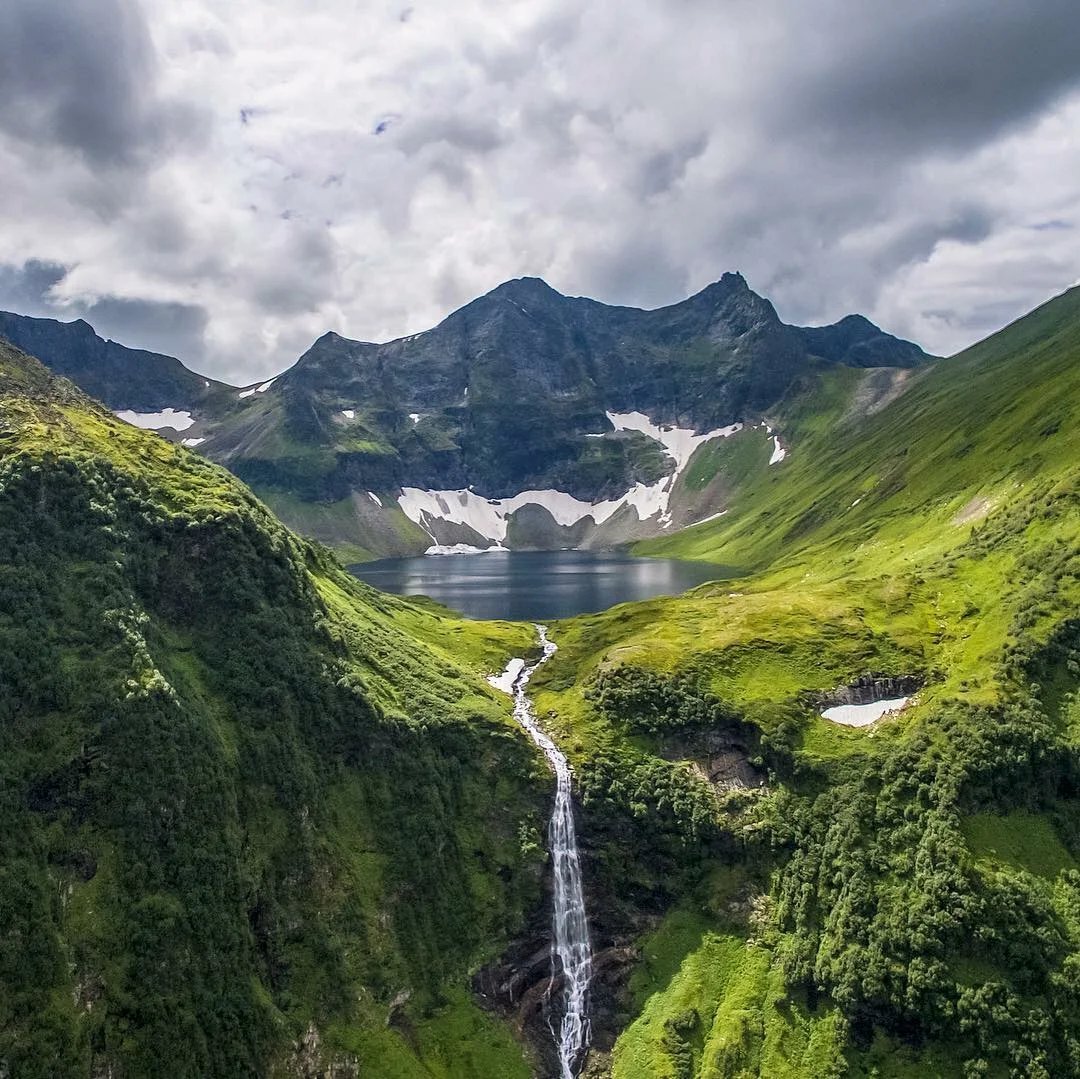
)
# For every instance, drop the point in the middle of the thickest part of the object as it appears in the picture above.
(896, 900)
(255, 818)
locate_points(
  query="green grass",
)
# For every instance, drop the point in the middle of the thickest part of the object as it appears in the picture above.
(976, 426)
(1019, 839)
(725, 1012)
(958, 563)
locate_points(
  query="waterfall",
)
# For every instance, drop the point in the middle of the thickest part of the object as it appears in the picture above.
(570, 939)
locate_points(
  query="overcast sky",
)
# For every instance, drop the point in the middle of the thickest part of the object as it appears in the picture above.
(227, 181)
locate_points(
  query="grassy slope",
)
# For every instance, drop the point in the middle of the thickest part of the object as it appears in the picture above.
(958, 562)
(979, 425)
(247, 803)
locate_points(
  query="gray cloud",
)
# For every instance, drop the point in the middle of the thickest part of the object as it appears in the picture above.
(928, 75)
(25, 289)
(200, 179)
(175, 329)
(80, 74)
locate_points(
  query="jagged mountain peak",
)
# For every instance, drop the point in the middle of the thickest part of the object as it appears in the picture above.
(509, 393)
(855, 341)
(526, 286)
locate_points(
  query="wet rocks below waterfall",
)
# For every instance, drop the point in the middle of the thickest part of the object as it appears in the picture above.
(520, 988)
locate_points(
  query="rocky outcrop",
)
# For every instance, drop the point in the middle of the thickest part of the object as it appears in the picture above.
(522, 986)
(722, 756)
(869, 689)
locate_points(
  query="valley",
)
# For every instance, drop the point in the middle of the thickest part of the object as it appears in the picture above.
(237, 776)
(539, 540)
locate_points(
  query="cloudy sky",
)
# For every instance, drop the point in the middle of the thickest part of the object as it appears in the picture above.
(226, 181)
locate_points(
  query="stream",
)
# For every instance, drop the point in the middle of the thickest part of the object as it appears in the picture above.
(571, 949)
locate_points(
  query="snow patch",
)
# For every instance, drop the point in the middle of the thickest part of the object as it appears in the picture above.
(679, 443)
(262, 388)
(711, 517)
(415, 417)
(489, 516)
(862, 715)
(506, 680)
(349, 413)
(374, 498)
(778, 453)
(157, 421)
(192, 442)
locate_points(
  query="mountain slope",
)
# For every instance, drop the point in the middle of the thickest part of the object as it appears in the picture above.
(894, 900)
(254, 817)
(125, 379)
(525, 390)
(966, 437)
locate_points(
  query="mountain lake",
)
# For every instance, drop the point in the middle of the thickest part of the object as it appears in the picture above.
(536, 585)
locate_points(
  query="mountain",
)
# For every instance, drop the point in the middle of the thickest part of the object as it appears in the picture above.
(123, 378)
(255, 818)
(974, 429)
(527, 418)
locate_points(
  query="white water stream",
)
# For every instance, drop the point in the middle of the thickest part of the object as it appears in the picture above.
(570, 940)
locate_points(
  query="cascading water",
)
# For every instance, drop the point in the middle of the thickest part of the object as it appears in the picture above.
(570, 943)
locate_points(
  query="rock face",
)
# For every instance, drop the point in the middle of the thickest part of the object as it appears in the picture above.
(869, 689)
(856, 342)
(511, 393)
(504, 393)
(520, 987)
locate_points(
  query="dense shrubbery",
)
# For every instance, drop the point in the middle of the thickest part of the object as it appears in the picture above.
(653, 825)
(644, 701)
(880, 905)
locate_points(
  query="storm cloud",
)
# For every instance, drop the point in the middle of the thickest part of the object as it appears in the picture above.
(216, 183)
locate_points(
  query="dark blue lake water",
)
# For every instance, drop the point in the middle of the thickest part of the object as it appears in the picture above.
(536, 585)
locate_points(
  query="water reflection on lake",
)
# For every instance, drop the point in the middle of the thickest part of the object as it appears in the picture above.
(536, 585)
